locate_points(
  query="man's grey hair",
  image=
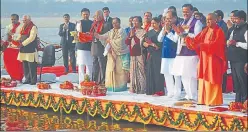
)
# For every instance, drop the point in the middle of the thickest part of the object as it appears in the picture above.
(27, 16)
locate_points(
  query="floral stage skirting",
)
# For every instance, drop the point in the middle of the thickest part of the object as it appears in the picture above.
(146, 113)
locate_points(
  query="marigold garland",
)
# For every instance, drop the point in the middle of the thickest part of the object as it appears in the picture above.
(124, 112)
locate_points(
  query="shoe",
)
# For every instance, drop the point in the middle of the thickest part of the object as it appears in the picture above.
(26, 82)
(160, 93)
(33, 83)
(192, 100)
(183, 99)
(65, 73)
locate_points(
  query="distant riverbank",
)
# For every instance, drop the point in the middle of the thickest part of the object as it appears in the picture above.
(54, 22)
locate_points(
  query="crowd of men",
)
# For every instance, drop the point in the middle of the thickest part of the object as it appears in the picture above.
(192, 52)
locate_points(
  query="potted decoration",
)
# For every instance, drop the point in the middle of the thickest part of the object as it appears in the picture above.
(43, 86)
(245, 109)
(91, 88)
(102, 90)
(235, 106)
(7, 83)
(66, 85)
(87, 85)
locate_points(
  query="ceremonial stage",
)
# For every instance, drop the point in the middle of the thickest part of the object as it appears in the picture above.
(142, 108)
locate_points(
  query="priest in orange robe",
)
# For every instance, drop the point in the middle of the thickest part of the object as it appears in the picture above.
(210, 46)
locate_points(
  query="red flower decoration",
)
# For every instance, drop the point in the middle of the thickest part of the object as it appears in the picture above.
(235, 106)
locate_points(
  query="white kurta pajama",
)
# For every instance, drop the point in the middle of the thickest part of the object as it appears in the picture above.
(84, 60)
(186, 66)
(173, 83)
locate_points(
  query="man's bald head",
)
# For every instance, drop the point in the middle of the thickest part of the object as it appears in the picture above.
(211, 20)
(170, 17)
(26, 19)
(213, 15)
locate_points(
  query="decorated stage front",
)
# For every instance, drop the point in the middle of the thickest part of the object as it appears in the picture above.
(126, 106)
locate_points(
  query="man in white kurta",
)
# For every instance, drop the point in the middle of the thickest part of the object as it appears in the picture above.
(185, 63)
(169, 39)
(84, 58)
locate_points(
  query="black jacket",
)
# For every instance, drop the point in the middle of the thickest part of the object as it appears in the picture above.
(62, 34)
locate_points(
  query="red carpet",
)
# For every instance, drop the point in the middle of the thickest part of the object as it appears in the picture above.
(58, 70)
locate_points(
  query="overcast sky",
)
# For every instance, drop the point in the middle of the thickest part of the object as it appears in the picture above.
(54, 8)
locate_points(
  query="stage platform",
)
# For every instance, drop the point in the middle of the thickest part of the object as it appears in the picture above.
(128, 106)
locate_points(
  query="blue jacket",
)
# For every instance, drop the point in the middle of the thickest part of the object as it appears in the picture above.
(127, 30)
(169, 47)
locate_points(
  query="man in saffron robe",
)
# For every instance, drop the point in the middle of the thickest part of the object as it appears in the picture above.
(12, 65)
(210, 47)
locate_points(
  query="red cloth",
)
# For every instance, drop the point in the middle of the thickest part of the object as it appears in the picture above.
(27, 28)
(57, 70)
(147, 26)
(97, 26)
(212, 63)
(128, 41)
(88, 37)
(85, 37)
(13, 30)
(4, 43)
(12, 65)
(16, 43)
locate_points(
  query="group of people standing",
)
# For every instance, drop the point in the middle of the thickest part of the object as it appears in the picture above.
(111, 70)
(20, 55)
(191, 52)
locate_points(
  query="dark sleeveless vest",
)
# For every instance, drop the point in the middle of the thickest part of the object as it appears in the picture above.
(31, 47)
(238, 54)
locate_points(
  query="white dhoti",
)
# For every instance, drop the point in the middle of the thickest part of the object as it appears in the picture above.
(173, 83)
(167, 66)
(186, 67)
(84, 59)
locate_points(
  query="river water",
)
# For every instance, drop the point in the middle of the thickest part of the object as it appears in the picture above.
(30, 119)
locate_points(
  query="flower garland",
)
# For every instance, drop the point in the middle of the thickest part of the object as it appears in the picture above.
(123, 113)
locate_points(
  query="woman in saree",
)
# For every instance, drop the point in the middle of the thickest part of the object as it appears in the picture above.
(154, 80)
(118, 58)
(137, 67)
